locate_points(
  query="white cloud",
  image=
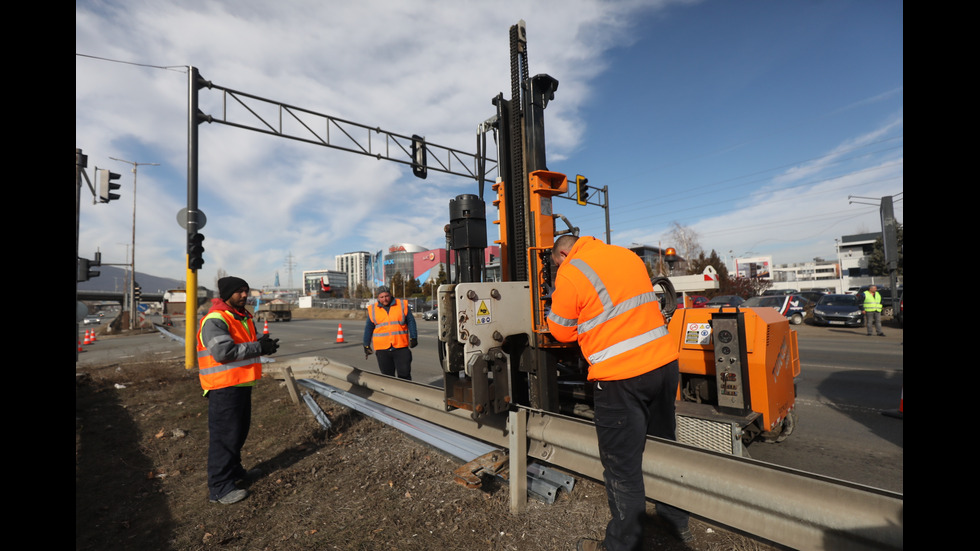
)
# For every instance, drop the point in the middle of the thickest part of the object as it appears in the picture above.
(429, 67)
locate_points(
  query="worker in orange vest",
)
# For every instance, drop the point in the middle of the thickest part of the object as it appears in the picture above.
(604, 300)
(391, 330)
(228, 351)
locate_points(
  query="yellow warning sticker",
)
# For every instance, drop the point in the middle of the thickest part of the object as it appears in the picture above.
(483, 314)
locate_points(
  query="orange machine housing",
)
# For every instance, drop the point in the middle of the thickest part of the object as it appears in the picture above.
(772, 351)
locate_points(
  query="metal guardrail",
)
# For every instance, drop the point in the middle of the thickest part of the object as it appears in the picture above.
(789, 507)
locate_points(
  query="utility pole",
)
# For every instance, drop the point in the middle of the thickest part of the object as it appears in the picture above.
(131, 284)
(81, 163)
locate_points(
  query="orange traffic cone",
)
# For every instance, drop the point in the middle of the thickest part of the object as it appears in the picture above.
(265, 330)
(92, 336)
(340, 333)
(80, 349)
(87, 340)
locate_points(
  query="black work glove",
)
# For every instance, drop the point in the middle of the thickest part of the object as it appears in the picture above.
(414, 343)
(367, 351)
(269, 345)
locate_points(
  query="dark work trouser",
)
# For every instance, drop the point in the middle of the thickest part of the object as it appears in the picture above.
(229, 419)
(395, 361)
(625, 412)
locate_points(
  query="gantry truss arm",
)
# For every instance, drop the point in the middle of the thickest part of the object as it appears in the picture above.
(251, 112)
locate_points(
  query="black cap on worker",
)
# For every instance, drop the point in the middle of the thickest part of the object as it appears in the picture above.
(227, 286)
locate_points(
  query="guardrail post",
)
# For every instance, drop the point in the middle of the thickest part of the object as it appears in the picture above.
(517, 431)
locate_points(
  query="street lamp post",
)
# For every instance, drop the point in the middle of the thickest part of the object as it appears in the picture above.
(131, 287)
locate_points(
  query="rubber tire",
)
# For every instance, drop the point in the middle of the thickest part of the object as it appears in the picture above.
(796, 319)
(789, 425)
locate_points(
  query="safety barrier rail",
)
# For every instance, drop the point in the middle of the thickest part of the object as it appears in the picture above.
(789, 507)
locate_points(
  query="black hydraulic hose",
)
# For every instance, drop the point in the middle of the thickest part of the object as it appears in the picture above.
(668, 298)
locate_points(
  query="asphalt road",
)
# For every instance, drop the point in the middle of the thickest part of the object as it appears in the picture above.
(848, 382)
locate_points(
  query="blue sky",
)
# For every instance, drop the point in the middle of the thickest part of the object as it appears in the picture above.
(750, 123)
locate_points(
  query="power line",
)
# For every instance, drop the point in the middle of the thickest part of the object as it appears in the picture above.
(180, 68)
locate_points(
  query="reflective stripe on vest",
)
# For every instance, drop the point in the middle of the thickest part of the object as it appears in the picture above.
(215, 375)
(390, 327)
(872, 303)
(609, 311)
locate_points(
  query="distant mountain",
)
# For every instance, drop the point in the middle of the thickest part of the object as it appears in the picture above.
(113, 278)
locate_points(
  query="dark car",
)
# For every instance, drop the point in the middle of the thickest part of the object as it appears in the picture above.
(724, 300)
(839, 310)
(812, 296)
(887, 310)
(430, 315)
(793, 307)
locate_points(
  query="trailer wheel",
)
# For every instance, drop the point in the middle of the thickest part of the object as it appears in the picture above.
(789, 425)
(783, 431)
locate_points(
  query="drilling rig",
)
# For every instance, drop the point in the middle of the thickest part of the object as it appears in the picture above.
(737, 368)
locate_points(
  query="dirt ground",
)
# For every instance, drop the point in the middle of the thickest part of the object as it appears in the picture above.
(140, 480)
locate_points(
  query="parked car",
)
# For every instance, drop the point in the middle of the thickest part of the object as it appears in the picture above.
(697, 301)
(778, 292)
(839, 310)
(812, 296)
(900, 316)
(430, 315)
(724, 300)
(887, 311)
(793, 307)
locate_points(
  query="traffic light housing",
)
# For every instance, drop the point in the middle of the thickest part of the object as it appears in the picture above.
(581, 189)
(85, 271)
(195, 251)
(107, 184)
(419, 157)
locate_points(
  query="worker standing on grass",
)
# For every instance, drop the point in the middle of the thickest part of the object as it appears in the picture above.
(391, 330)
(604, 299)
(228, 353)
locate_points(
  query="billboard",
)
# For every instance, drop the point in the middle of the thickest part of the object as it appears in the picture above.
(759, 267)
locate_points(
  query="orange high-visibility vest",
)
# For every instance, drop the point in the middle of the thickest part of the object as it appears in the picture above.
(215, 375)
(604, 299)
(390, 327)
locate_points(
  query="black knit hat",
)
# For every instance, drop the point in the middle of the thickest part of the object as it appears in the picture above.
(228, 285)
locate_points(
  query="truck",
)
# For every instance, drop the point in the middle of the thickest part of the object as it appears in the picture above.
(275, 310)
(174, 307)
(738, 367)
